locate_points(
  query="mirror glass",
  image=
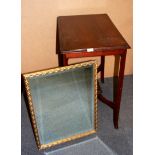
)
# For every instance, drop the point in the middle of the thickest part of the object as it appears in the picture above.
(63, 103)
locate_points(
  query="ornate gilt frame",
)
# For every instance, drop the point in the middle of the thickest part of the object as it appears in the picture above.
(31, 108)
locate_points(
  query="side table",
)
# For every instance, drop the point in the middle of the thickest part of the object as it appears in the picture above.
(91, 36)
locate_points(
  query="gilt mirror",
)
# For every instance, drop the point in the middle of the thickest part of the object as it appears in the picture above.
(62, 103)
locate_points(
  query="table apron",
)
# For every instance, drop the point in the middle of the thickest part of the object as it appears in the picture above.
(93, 54)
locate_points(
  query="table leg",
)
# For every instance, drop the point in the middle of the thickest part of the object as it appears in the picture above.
(65, 60)
(102, 68)
(117, 99)
(60, 60)
(116, 73)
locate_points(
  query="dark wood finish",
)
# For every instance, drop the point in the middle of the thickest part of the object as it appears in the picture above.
(65, 60)
(76, 34)
(117, 99)
(92, 54)
(106, 101)
(102, 67)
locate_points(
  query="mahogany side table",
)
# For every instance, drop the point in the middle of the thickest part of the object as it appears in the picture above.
(91, 36)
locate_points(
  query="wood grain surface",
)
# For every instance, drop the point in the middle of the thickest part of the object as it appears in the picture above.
(79, 32)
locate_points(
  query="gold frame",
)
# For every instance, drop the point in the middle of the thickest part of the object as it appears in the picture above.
(30, 103)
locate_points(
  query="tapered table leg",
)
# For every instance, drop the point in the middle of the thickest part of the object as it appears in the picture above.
(117, 99)
(102, 69)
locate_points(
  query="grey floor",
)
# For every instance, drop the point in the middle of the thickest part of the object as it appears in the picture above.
(92, 146)
(119, 141)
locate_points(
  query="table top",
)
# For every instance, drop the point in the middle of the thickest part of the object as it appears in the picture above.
(95, 32)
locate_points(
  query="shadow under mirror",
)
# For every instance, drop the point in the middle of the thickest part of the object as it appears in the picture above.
(93, 146)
